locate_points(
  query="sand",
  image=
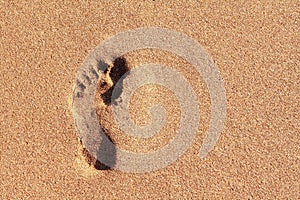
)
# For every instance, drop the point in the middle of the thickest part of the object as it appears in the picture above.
(255, 45)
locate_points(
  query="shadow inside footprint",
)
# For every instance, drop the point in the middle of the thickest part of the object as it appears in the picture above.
(118, 69)
(106, 152)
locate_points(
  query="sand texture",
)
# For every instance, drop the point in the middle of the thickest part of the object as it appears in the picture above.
(255, 45)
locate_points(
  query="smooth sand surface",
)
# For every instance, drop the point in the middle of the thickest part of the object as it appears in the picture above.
(255, 44)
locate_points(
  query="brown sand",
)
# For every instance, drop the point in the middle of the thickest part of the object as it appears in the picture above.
(254, 44)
